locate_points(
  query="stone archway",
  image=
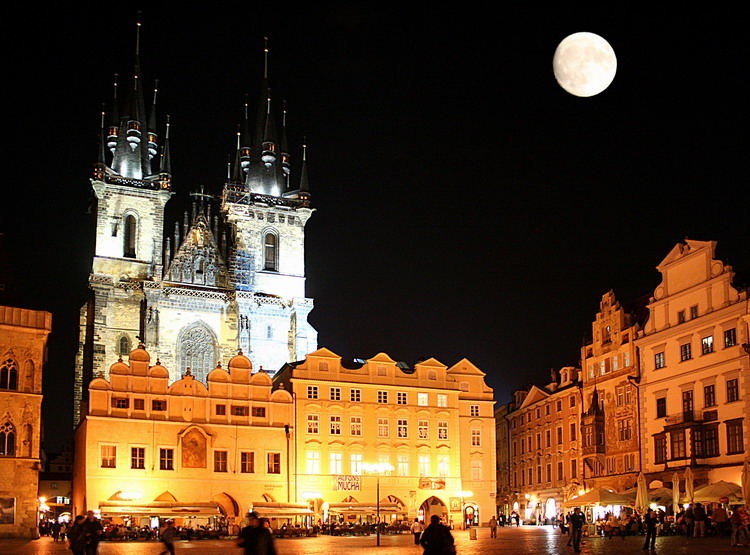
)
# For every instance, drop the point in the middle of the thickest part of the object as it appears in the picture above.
(433, 506)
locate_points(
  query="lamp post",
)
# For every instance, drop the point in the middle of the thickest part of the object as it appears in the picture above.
(377, 469)
(463, 495)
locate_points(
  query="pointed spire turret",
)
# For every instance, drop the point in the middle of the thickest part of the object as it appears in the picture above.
(165, 165)
(304, 185)
(286, 164)
(100, 167)
(114, 125)
(152, 134)
(244, 140)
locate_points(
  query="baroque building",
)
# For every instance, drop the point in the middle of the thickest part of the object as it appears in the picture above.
(23, 347)
(230, 275)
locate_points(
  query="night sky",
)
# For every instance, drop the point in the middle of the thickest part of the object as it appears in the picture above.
(465, 204)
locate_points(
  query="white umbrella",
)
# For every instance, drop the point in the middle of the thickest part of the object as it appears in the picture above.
(689, 486)
(641, 495)
(746, 482)
(714, 492)
(676, 493)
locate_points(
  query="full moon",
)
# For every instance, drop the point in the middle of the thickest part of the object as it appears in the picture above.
(584, 64)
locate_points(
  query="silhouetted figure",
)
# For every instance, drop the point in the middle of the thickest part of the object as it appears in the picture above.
(437, 538)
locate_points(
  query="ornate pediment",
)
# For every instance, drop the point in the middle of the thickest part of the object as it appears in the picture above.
(198, 260)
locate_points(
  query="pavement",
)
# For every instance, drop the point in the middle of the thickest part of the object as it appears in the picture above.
(526, 539)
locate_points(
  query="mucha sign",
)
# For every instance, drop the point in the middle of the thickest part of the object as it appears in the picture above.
(432, 483)
(347, 483)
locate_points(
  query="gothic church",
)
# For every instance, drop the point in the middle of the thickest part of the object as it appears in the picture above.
(230, 276)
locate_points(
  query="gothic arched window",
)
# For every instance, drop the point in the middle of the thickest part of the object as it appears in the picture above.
(271, 252)
(129, 237)
(9, 375)
(123, 346)
(197, 349)
(7, 440)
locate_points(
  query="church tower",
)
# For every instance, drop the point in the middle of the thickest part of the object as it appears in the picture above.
(228, 276)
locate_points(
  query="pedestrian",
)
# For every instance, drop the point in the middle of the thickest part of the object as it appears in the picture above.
(493, 527)
(689, 519)
(739, 520)
(167, 536)
(417, 528)
(577, 520)
(699, 517)
(649, 522)
(437, 538)
(720, 519)
(77, 536)
(93, 531)
(255, 538)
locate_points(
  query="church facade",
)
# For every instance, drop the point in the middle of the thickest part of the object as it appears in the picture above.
(229, 276)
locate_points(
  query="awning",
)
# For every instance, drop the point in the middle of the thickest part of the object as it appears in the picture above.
(112, 508)
(277, 510)
(364, 508)
(599, 496)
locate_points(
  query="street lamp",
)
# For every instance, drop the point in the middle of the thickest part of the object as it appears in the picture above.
(377, 469)
(463, 495)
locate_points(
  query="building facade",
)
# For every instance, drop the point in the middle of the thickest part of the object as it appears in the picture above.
(230, 275)
(502, 450)
(150, 446)
(695, 360)
(431, 425)
(545, 453)
(23, 345)
(609, 421)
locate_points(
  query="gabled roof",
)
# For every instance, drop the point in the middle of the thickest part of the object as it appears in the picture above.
(465, 367)
(686, 248)
(382, 357)
(324, 353)
(534, 395)
(431, 362)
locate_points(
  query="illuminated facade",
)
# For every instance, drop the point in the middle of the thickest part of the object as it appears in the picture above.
(502, 449)
(432, 424)
(545, 446)
(149, 446)
(695, 359)
(23, 347)
(230, 275)
(609, 423)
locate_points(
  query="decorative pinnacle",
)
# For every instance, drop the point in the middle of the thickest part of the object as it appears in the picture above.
(265, 57)
(156, 90)
(239, 133)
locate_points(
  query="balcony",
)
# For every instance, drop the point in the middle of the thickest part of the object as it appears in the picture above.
(684, 417)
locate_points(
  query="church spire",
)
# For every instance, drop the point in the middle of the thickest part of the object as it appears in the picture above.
(165, 167)
(152, 134)
(100, 167)
(304, 185)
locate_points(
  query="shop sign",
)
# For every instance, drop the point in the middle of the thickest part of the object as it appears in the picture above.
(432, 483)
(347, 483)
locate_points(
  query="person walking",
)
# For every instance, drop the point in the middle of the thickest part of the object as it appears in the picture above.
(577, 520)
(437, 538)
(739, 520)
(649, 521)
(93, 532)
(77, 536)
(255, 538)
(699, 517)
(493, 526)
(167, 536)
(417, 528)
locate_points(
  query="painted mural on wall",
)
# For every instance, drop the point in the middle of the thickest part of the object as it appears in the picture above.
(193, 450)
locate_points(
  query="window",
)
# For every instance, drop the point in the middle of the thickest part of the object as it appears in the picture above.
(423, 399)
(678, 444)
(476, 438)
(382, 396)
(402, 465)
(381, 371)
(476, 470)
(139, 404)
(572, 401)
(687, 405)
(355, 395)
(335, 425)
(660, 449)
(108, 452)
(573, 468)
(659, 360)
(442, 400)
(313, 424)
(619, 396)
(706, 442)
(443, 465)
(335, 464)
(733, 390)
(538, 414)
(626, 360)
(9, 375)
(270, 252)
(269, 332)
(138, 457)
(247, 462)
(661, 407)
(709, 395)
(625, 430)
(560, 471)
(531, 476)
(401, 398)
(274, 463)
(424, 465)
(432, 375)
(197, 349)
(355, 464)
(707, 344)
(548, 438)
(120, 402)
(549, 472)
(628, 395)
(615, 363)
(559, 405)
(685, 352)
(546, 410)
(129, 237)
(220, 461)
(539, 474)
(693, 312)
(383, 427)
(355, 425)
(158, 405)
(734, 437)
(681, 317)
(123, 346)
(313, 462)
(323, 366)
(630, 461)
(258, 412)
(239, 411)
(312, 391)
(221, 410)
(730, 338)
(474, 410)
(166, 459)
(443, 429)
(423, 429)
(402, 428)
(515, 448)
(335, 394)
(573, 431)
(559, 435)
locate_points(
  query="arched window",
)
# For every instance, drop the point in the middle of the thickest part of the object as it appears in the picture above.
(7, 440)
(197, 349)
(271, 252)
(124, 346)
(129, 237)
(9, 375)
